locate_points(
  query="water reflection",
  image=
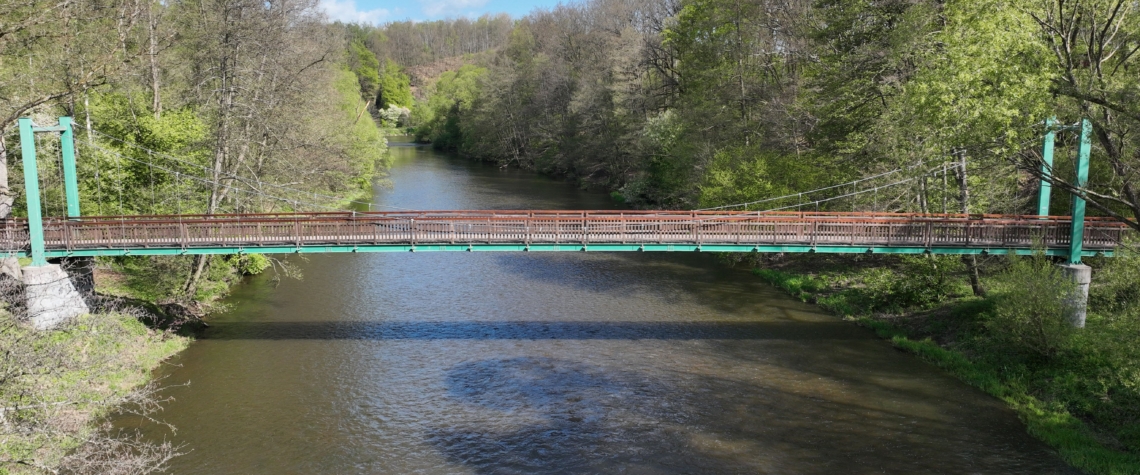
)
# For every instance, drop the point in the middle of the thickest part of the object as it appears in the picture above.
(583, 418)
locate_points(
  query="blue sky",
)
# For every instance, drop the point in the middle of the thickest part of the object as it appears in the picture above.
(382, 11)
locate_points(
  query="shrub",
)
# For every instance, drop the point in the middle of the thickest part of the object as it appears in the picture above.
(1116, 287)
(801, 286)
(249, 264)
(1029, 311)
(921, 282)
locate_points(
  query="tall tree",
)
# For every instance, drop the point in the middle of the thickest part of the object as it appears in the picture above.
(1093, 65)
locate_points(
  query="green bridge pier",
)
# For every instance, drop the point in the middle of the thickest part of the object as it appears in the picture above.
(1077, 271)
(53, 295)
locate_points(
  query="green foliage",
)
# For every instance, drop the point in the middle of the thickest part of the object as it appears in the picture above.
(918, 282)
(1116, 288)
(451, 100)
(147, 278)
(249, 264)
(1045, 415)
(746, 174)
(748, 179)
(364, 145)
(669, 174)
(800, 286)
(366, 67)
(868, 51)
(395, 87)
(122, 182)
(1030, 312)
(163, 279)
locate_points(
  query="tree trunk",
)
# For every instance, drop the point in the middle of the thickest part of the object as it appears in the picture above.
(152, 27)
(191, 285)
(922, 205)
(964, 198)
(10, 265)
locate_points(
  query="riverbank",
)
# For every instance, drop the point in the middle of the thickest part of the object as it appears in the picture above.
(1078, 391)
(153, 282)
(57, 386)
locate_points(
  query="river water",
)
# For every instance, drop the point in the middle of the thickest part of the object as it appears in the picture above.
(518, 363)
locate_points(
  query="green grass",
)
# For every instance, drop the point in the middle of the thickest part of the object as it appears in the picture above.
(826, 290)
(1071, 437)
(1084, 402)
(77, 375)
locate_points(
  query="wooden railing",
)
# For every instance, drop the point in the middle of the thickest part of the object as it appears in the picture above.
(561, 227)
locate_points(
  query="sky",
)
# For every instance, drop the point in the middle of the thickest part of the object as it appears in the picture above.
(377, 12)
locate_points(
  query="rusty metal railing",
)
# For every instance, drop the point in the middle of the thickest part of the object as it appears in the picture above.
(248, 231)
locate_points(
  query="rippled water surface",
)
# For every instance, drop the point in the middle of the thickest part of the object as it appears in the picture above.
(520, 363)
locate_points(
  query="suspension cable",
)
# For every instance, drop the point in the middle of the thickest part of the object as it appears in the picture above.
(209, 182)
(800, 194)
(238, 178)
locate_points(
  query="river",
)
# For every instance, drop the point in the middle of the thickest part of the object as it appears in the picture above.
(521, 363)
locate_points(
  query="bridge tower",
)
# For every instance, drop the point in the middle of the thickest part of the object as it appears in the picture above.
(1080, 273)
(52, 296)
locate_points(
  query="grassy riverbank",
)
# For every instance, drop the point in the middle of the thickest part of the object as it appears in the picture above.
(58, 385)
(155, 282)
(1079, 391)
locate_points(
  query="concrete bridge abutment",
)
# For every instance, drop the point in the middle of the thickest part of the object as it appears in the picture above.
(55, 296)
(1076, 305)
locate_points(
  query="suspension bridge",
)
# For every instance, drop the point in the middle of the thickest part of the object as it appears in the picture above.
(53, 296)
(712, 230)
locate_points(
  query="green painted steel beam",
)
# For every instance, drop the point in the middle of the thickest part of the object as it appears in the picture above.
(56, 253)
(1077, 229)
(70, 177)
(32, 192)
(1046, 189)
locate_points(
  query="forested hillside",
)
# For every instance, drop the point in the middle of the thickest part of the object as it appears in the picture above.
(712, 102)
(190, 107)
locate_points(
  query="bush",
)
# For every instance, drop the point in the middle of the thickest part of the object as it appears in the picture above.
(1029, 311)
(394, 116)
(1116, 288)
(921, 282)
(801, 286)
(249, 264)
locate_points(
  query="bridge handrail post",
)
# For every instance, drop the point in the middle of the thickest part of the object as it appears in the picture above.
(32, 191)
(1077, 227)
(695, 227)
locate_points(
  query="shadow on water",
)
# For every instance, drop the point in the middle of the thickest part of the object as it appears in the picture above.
(533, 330)
(675, 277)
(587, 418)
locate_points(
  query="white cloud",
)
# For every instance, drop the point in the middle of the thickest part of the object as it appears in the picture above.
(346, 11)
(450, 8)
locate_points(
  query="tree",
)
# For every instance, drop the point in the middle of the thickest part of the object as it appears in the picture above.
(395, 88)
(366, 67)
(1093, 65)
(67, 38)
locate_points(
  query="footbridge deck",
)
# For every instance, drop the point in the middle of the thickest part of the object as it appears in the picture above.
(551, 230)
